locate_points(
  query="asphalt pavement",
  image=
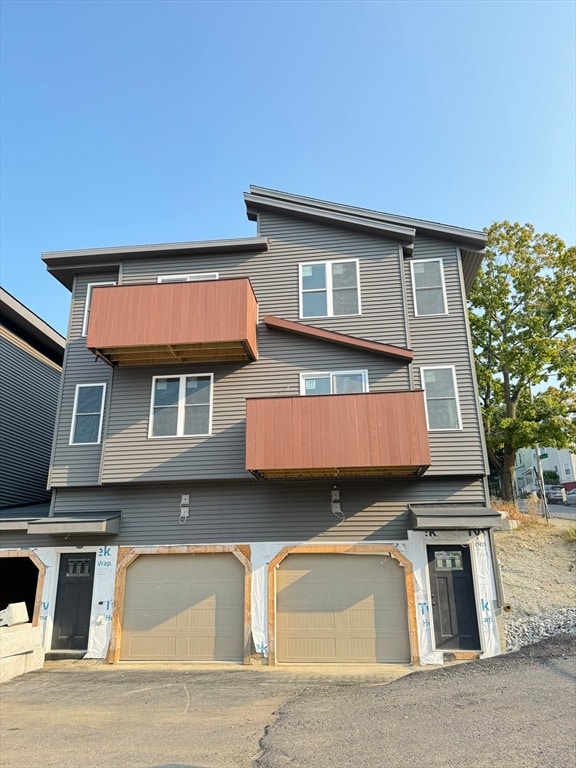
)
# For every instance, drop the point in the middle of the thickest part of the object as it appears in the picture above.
(516, 711)
(562, 511)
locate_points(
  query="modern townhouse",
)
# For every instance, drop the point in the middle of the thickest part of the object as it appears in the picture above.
(271, 447)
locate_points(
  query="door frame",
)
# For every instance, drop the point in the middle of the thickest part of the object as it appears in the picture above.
(35, 618)
(442, 542)
(58, 595)
(127, 555)
(344, 549)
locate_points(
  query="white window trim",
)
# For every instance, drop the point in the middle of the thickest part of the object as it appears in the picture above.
(188, 277)
(311, 374)
(424, 368)
(88, 303)
(328, 289)
(74, 414)
(181, 409)
(415, 290)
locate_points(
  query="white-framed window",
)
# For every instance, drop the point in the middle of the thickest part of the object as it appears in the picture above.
(88, 304)
(181, 405)
(87, 414)
(567, 469)
(428, 287)
(198, 276)
(333, 382)
(329, 288)
(442, 406)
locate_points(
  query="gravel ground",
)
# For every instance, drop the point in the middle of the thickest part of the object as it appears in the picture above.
(538, 567)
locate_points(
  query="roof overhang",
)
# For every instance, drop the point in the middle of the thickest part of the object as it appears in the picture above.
(65, 264)
(103, 525)
(388, 350)
(453, 518)
(13, 524)
(31, 328)
(398, 227)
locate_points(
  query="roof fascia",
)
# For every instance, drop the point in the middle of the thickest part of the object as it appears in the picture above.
(64, 264)
(33, 329)
(348, 221)
(388, 350)
(476, 239)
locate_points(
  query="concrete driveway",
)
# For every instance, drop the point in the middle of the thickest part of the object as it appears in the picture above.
(516, 711)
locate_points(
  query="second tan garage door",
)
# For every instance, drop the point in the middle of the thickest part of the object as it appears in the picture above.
(341, 608)
(184, 608)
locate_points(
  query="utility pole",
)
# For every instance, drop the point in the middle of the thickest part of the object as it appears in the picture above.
(545, 510)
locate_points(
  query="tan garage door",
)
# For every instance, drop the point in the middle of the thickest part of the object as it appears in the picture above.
(341, 608)
(184, 608)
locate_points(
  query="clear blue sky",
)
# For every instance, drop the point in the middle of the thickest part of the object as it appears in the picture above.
(143, 122)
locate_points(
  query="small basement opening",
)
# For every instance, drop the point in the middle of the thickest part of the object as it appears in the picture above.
(18, 582)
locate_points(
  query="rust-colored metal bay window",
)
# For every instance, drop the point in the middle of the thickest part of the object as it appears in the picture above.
(366, 434)
(192, 322)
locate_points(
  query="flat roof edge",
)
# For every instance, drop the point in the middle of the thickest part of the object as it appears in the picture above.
(59, 258)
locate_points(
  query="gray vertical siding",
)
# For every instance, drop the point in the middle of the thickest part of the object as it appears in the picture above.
(78, 464)
(444, 340)
(29, 386)
(262, 511)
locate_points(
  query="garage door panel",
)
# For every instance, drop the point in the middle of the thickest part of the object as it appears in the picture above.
(146, 619)
(184, 608)
(347, 608)
(302, 649)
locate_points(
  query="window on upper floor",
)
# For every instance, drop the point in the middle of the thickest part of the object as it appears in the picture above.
(197, 276)
(333, 383)
(442, 406)
(329, 288)
(87, 414)
(89, 303)
(428, 287)
(181, 406)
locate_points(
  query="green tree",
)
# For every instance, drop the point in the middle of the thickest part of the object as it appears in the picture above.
(523, 324)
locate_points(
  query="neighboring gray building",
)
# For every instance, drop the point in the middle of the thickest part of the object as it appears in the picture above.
(272, 446)
(31, 355)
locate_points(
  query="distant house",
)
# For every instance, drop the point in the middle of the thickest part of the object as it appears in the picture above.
(562, 461)
(31, 354)
(272, 446)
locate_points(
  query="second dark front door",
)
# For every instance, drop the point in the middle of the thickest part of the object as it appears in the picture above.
(453, 603)
(73, 601)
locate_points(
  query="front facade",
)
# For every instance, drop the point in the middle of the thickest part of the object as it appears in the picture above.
(271, 447)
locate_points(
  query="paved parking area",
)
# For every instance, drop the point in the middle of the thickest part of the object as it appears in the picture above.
(89, 714)
(516, 711)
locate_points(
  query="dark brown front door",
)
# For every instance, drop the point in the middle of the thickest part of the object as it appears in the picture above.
(453, 603)
(73, 601)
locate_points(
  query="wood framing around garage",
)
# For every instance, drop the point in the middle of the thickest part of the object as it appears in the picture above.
(127, 555)
(35, 618)
(368, 549)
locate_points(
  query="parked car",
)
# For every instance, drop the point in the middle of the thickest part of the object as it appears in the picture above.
(571, 498)
(555, 494)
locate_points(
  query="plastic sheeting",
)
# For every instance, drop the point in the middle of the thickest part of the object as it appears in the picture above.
(484, 589)
(102, 595)
(415, 550)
